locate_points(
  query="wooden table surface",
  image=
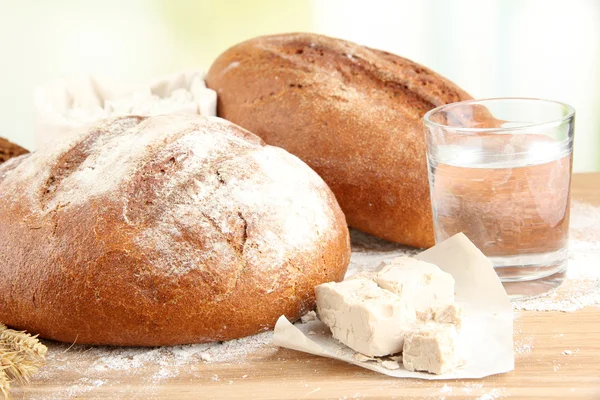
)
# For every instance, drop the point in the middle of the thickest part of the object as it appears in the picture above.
(542, 371)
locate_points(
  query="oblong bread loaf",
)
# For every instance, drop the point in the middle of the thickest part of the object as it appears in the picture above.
(352, 113)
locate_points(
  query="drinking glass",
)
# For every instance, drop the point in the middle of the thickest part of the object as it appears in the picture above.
(500, 172)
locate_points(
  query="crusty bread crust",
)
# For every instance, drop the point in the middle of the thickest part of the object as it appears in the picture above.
(163, 230)
(10, 150)
(352, 113)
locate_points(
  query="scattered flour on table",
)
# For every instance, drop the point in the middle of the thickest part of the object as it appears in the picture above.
(113, 367)
(368, 252)
(96, 368)
(582, 284)
(440, 390)
(468, 387)
(492, 394)
(523, 346)
(84, 385)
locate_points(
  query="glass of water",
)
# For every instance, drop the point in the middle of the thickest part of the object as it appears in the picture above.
(500, 172)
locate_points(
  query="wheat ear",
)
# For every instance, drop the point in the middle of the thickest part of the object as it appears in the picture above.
(20, 357)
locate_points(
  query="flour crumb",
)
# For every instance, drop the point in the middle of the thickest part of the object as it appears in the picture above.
(468, 387)
(206, 357)
(567, 352)
(492, 394)
(83, 385)
(556, 367)
(523, 347)
(164, 373)
(93, 382)
(446, 389)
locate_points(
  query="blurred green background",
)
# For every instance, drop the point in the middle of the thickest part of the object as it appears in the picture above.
(493, 48)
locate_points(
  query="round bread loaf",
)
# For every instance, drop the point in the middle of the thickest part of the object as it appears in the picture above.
(352, 113)
(163, 230)
(9, 150)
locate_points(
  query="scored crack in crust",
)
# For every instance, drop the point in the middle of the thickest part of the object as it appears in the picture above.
(163, 230)
(351, 113)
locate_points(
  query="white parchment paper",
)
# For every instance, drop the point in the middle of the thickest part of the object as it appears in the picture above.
(486, 339)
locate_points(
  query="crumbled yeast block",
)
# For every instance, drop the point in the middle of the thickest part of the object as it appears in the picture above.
(309, 316)
(431, 348)
(390, 364)
(422, 284)
(447, 314)
(363, 316)
(370, 275)
(362, 358)
(397, 358)
(375, 312)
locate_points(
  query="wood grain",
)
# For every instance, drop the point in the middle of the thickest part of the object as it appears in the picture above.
(543, 370)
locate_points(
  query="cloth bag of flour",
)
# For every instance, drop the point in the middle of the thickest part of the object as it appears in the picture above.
(62, 105)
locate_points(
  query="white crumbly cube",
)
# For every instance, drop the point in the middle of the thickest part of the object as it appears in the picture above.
(431, 348)
(450, 314)
(421, 284)
(370, 275)
(363, 316)
(447, 314)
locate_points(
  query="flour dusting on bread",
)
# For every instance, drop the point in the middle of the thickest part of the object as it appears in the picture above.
(222, 181)
(163, 230)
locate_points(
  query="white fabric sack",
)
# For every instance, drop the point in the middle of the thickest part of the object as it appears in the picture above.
(62, 105)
